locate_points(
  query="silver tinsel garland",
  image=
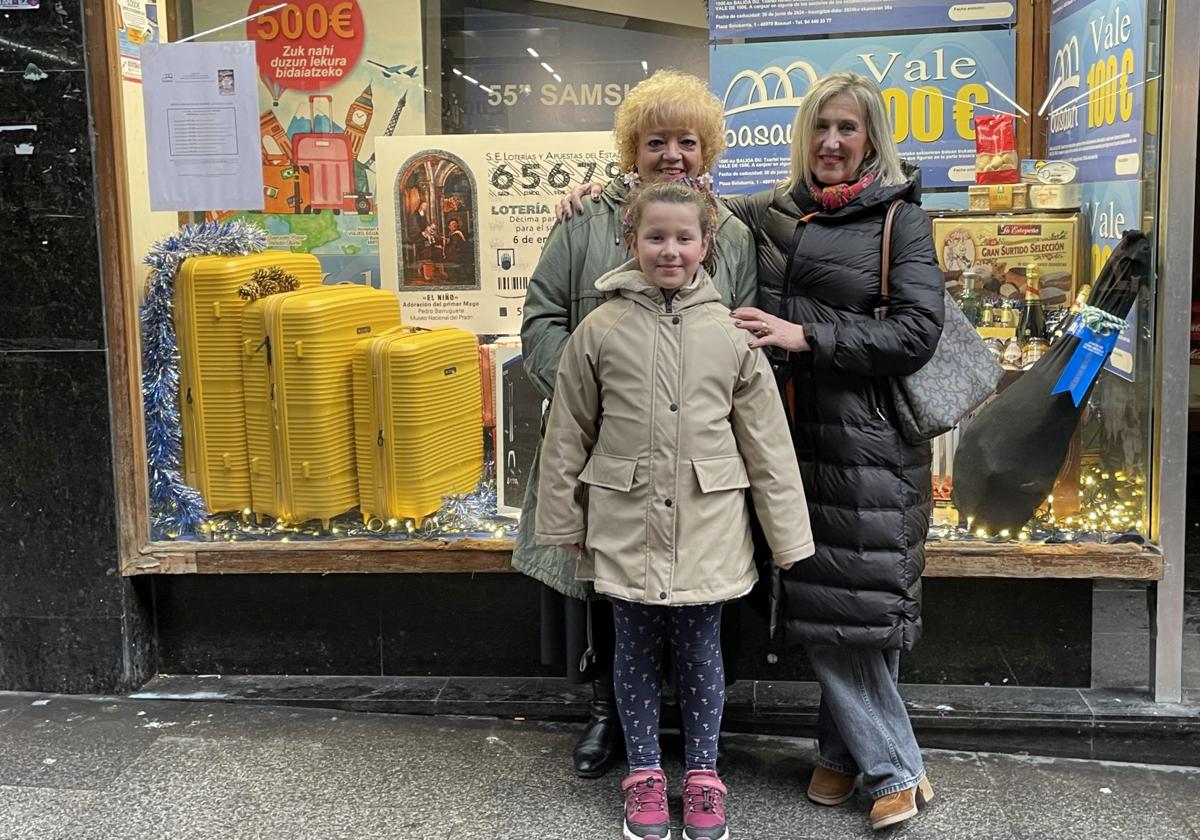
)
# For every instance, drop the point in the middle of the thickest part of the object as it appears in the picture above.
(175, 508)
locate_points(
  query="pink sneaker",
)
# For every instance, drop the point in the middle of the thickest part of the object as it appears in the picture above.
(646, 816)
(704, 806)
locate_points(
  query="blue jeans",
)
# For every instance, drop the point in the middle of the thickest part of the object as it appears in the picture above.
(862, 725)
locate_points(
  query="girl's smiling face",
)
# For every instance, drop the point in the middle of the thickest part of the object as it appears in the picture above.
(669, 245)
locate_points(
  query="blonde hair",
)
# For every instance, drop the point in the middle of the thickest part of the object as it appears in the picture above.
(884, 158)
(670, 99)
(686, 192)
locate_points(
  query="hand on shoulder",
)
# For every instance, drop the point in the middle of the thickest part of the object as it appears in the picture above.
(572, 202)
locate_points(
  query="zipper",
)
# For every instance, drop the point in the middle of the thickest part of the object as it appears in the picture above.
(874, 403)
(273, 321)
(383, 396)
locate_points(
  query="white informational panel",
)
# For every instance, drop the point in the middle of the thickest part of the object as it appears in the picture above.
(201, 103)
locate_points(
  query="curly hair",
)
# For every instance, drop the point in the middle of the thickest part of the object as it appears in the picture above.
(685, 191)
(670, 99)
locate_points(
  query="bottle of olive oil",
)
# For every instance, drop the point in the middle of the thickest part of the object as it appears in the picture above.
(969, 300)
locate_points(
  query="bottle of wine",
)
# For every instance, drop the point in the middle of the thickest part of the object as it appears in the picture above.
(1031, 330)
(968, 299)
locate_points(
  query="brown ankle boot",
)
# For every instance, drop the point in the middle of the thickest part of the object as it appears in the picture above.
(829, 787)
(901, 805)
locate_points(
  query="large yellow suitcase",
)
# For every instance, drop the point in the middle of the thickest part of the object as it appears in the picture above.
(300, 396)
(418, 419)
(208, 329)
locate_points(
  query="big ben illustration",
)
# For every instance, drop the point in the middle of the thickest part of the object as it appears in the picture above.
(358, 118)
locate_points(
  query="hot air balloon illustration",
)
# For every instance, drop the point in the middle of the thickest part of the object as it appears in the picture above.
(273, 88)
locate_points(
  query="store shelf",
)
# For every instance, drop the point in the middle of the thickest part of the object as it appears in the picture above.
(943, 559)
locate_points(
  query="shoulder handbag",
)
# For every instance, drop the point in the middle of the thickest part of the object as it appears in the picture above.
(961, 374)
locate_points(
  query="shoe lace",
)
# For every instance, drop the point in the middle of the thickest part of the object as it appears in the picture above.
(650, 795)
(703, 799)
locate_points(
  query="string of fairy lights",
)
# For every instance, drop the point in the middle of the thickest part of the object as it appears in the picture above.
(471, 514)
(1112, 504)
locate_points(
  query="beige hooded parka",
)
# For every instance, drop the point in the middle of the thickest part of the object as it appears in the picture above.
(662, 417)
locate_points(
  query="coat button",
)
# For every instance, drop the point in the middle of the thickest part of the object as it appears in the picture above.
(662, 596)
(674, 406)
(668, 503)
(675, 320)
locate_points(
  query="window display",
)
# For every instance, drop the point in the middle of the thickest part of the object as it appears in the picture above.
(345, 363)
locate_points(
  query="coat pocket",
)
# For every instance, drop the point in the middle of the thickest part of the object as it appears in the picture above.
(612, 472)
(724, 472)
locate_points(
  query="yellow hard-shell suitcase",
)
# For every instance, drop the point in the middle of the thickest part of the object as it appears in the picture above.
(418, 413)
(300, 396)
(208, 329)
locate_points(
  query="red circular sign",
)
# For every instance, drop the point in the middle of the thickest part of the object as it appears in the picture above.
(308, 44)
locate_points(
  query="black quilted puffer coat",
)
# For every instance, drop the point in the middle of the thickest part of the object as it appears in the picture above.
(869, 492)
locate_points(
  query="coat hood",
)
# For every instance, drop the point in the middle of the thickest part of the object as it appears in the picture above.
(628, 281)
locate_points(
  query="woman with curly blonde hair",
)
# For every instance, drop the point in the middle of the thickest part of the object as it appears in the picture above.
(669, 127)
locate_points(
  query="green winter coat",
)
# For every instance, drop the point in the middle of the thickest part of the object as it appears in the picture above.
(562, 292)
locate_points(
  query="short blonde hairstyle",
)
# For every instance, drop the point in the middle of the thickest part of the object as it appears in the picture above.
(670, 99)
(884, 159)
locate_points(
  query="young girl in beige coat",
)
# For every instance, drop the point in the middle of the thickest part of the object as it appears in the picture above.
(662, 418)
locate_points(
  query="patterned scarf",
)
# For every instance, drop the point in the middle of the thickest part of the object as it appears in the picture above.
(839, 195)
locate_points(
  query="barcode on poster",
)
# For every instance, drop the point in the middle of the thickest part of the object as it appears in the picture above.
(513, 284)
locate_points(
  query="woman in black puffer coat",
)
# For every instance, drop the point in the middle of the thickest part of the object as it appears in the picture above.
(857, 603)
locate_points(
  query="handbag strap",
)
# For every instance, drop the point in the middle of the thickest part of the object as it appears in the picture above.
(785, 287)
(888, 222)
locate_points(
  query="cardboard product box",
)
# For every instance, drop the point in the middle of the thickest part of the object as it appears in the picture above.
(998, 197)
(1055, 196)
(1001, 248)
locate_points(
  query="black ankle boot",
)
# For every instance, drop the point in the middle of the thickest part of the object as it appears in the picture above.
(600, 742)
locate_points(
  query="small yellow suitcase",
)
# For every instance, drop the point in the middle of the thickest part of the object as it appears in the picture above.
(208, 329)
(300, 397)
(418, 416)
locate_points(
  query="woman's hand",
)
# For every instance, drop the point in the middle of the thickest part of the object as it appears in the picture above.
(770, 331)
(572, 202)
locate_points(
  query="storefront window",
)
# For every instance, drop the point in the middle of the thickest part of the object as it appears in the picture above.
(361, 375)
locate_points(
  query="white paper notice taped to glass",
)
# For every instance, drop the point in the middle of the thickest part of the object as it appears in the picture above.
(202, 126)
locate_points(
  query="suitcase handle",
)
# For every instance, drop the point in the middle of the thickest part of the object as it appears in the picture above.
(312, 108)
(299, 349)
(217, 310)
